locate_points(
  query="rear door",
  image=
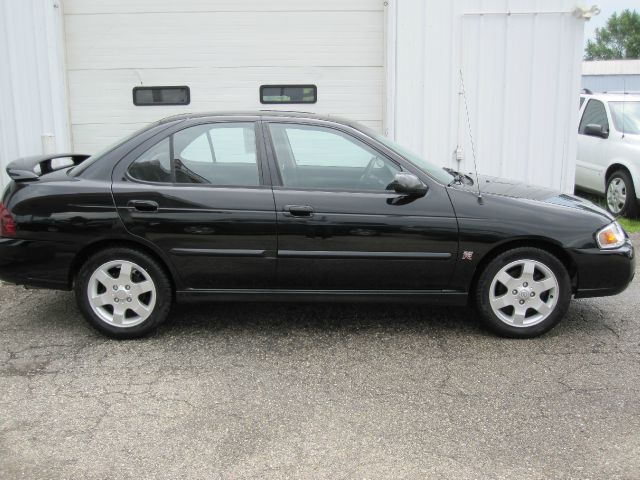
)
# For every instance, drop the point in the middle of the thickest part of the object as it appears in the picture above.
(200, 196)
(340, 228)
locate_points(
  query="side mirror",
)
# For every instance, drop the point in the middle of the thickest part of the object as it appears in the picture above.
(595, 130)
(408, 184)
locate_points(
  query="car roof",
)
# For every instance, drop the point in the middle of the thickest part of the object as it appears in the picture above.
(613, 96)
(257, 113)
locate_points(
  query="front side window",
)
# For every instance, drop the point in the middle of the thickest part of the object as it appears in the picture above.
(594, 113)
(222, 154)
(328, 159)
(626, 116)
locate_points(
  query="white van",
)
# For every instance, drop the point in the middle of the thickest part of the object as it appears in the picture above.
(608, 160)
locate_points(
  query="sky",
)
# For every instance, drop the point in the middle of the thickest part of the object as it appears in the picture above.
(607, 7)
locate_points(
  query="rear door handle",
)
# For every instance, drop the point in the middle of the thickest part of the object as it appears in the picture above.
(148, 206)
(298, 211)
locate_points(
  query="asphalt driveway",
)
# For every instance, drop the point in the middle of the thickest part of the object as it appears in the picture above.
(318, 391)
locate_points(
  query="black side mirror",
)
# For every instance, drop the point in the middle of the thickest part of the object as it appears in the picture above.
(595, 130)
(408, 184)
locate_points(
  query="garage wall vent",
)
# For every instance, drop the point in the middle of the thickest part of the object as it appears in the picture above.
(146, 96)
(270, 94)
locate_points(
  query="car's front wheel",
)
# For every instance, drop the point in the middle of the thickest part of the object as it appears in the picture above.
(523, 293)
(621, 195)
(123, 292)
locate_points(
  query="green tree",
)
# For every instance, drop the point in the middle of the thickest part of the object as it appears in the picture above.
(620, 38)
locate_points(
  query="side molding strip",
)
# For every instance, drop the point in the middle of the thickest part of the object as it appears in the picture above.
(218, 252)
(363, 255)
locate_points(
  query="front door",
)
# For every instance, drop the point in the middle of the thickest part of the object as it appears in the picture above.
(199, 195)
(340, 228)
(591, 161)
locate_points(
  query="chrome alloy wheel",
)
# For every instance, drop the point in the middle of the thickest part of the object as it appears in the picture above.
(616, 195)
(524, 293)
(121, 293)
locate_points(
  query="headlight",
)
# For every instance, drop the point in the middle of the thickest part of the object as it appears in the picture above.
(611, 236)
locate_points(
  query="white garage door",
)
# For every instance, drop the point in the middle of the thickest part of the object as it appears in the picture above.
(223, 50)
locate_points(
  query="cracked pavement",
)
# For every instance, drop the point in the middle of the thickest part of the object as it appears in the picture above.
(318, 391)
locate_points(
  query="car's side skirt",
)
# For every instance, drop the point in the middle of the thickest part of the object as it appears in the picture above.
(442, 297)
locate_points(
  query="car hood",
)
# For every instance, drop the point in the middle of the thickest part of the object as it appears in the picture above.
(519, 190)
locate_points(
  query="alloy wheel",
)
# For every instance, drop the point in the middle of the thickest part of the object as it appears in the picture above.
(524, 293)
(616, 195)
(121, 293)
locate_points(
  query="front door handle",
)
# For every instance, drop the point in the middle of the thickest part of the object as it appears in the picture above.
(298, 211)
(148, 206)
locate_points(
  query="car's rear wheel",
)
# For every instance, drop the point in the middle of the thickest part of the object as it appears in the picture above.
(123, 292)
(621, 195)
(523, 293)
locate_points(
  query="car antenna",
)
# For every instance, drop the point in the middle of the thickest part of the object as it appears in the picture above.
(624, 101)
(473, 148)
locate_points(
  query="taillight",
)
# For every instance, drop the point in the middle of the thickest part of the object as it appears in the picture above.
(7, 225)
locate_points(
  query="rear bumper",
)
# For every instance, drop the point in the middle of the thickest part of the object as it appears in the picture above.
(35, 263)
(604, 272)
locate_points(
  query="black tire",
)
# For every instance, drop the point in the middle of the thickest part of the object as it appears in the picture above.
(483, 291)
(162, 299)
(630, 208)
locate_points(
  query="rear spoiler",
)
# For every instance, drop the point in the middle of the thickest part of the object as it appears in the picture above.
(27, 169)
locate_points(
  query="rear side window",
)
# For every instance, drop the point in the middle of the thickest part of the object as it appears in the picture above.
(154, 165)
(222, 154)
(594, 113)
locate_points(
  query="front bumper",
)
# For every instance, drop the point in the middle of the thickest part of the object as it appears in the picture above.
(604, 272)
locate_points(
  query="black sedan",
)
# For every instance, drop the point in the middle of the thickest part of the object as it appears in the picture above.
(286, 206)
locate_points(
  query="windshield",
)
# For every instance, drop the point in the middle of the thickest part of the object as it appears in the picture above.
(434, 170)
(626, 116)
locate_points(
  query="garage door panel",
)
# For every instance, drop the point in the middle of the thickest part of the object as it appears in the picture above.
(91, 138)
(78, 7)
(222, 50)
(230, 39)
(353, 92)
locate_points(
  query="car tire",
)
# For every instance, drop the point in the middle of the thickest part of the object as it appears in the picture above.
(620, 195)
(523, 293)
(123, 293)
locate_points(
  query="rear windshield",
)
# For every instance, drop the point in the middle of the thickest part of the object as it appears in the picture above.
(74, 172)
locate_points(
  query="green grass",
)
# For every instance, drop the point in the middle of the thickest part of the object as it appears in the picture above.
(630, 226)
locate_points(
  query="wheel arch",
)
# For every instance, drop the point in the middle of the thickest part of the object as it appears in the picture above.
(621, 164)
(94, 247)
(547, 245)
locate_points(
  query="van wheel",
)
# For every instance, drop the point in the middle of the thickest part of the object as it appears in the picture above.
(123, 293)
(523, 293)
(621, 195)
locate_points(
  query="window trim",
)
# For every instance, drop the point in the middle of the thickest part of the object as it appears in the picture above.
(278, 184)
(273, 102)
(261, 156)
(155, 87)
